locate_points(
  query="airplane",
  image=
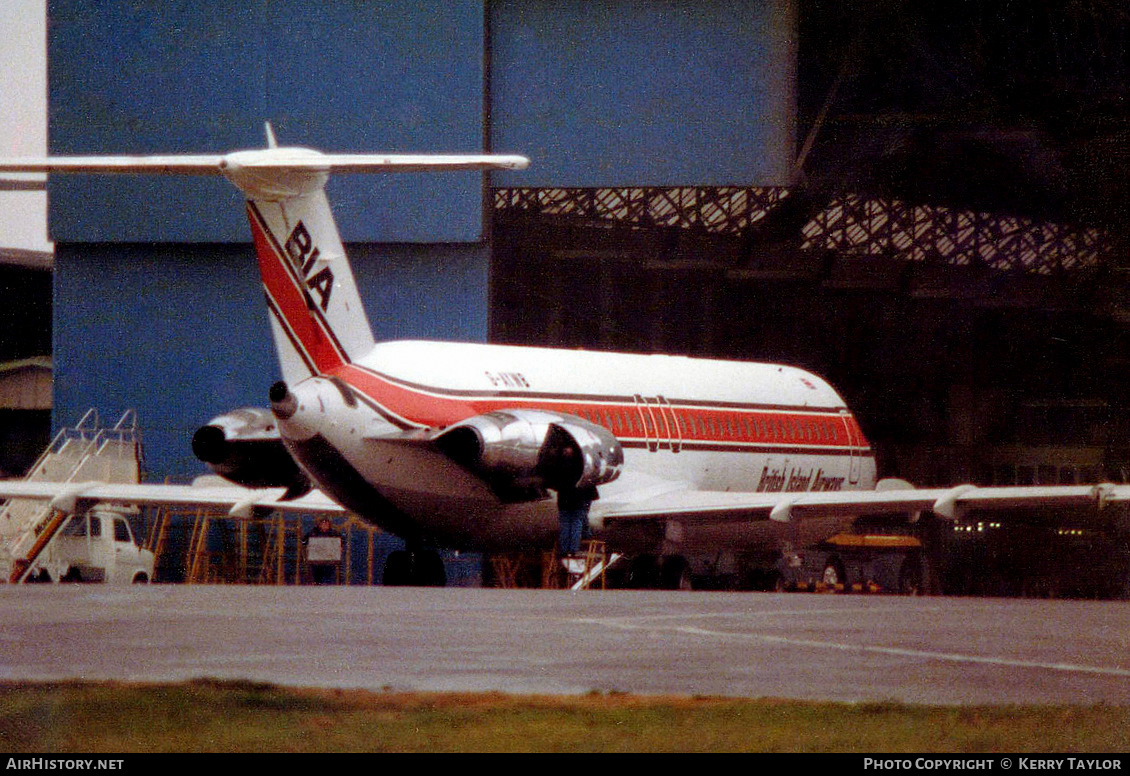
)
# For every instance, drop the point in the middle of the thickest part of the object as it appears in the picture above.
(467, 446)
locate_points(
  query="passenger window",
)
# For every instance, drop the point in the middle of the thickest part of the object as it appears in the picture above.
(121, 531)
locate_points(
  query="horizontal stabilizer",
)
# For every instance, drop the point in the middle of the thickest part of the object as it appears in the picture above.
(156, 165)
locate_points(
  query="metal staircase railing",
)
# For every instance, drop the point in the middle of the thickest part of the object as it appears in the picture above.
(78, 453)
(595, 562)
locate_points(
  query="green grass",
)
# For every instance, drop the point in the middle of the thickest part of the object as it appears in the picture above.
(213, 716)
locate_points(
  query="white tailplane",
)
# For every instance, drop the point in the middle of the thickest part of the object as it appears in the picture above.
(317, 317)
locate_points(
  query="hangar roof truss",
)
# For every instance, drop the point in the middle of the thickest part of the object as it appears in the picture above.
(850, 225)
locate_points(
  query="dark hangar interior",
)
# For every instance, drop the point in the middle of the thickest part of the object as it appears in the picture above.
(951, 252)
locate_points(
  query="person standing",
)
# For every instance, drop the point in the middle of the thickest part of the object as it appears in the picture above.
(573, 505)
(323, 551)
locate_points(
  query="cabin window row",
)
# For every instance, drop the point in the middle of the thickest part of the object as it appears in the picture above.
(655, 422)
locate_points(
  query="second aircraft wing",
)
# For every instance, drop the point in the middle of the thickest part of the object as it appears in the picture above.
(706, 507)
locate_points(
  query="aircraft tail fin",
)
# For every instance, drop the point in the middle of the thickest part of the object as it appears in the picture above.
(318, 320)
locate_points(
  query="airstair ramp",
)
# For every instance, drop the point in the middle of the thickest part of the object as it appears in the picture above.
(593, 564)
(81, 453)
(596, 573)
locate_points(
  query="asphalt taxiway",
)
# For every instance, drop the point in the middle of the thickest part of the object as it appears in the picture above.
(826, 647)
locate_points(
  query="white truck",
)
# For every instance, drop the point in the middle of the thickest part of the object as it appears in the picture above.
(96, 547)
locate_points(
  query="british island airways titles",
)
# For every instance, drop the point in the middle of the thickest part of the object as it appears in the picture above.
(797, 480)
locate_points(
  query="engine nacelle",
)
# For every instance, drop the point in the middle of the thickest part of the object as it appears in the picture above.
(520, 449)
(244, 446)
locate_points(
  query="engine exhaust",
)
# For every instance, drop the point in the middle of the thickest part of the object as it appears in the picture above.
(283, 403)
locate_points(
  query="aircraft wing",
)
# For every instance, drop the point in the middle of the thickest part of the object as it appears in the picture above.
(238, 501)
(710, 507)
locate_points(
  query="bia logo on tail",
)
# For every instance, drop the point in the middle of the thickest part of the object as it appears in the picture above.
(303, 254)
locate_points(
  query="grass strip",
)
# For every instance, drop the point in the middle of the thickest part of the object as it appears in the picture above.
(238, 716)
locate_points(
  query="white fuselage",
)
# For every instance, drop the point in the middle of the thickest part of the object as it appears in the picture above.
(700, 424)
(363, 422)
(363, 419)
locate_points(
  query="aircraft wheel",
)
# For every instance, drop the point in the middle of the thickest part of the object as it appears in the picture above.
(835, 575)
(429, 570)
(910, 576)
(398, 569)
(40, 576)
(643, 572)
(676, 573)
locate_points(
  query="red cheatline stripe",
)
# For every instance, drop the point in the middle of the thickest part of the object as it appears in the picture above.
(315, 342)
(413, 406)
(289, 299)
(763, 430)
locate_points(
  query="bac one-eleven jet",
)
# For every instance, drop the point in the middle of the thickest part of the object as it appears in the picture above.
(467, 446)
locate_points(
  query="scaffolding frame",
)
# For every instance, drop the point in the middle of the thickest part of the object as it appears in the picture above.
(267, 548)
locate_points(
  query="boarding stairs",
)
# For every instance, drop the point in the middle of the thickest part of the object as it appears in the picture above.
(549, 570)
(593, 563)
(82, 453)
(580, 572)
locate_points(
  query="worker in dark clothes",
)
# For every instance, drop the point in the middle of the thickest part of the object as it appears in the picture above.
(573, 516)
(563, 465)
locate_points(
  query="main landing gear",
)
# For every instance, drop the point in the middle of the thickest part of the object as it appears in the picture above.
(418, 568)
(649, 572)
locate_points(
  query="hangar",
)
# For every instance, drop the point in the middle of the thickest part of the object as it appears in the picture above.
(924, 206)
(161, 269)
(927, 207)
